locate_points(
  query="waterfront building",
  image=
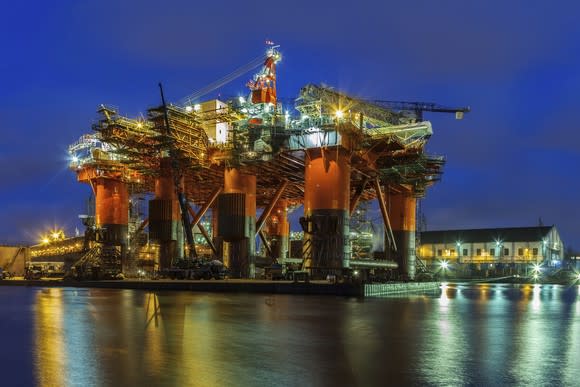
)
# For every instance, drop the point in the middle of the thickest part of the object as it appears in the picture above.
(507, 249)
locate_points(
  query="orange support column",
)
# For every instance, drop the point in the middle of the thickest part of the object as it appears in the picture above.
(237, 222)
(112, 209)
(402, 210)
(165, 218)
(279, 230)
(326, 211)
(112, 214)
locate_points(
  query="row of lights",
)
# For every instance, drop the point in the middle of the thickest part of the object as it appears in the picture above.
(52, 236)
(536, 270)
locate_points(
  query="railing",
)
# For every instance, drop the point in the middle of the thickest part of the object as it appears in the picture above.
(481, 259)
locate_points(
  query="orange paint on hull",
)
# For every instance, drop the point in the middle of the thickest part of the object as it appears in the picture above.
(402, 211)
(237, 182)
(327, 182)
(111, 202)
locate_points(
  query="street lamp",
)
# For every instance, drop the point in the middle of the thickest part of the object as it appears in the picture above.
(443, 267)
(536, 271)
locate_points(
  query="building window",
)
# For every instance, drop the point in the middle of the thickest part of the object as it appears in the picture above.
(535, 251)
(453, 252)
(506, 252)
(465, 252)
(439, 252)
(492, 252)
(478, 252)
(520, 251)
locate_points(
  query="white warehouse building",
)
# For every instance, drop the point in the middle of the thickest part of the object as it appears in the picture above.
(514, 248)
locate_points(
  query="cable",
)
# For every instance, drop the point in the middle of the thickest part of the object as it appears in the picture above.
(224, 80)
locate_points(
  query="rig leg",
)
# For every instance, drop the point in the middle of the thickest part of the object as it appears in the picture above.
(237, 222)
(112, 218)
(403, 221)
(165, 218)
(279, 230)
(326, 212)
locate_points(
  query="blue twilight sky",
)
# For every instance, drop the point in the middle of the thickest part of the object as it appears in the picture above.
(511, 161)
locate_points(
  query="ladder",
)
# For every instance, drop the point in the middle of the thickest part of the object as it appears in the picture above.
(106, 258)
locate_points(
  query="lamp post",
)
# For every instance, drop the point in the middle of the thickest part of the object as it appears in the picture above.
(458, 244)
(499, 254)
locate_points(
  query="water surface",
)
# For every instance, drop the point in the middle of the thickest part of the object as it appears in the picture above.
(464, 335)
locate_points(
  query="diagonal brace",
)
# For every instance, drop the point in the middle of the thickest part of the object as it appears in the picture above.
(386, 221)
(268, 210)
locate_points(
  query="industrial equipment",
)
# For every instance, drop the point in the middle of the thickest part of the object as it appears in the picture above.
(231, 158)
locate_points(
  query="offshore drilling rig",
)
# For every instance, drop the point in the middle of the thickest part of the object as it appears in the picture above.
(230, 158)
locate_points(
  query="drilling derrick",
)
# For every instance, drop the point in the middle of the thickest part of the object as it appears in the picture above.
(263, 86)
(247, 156)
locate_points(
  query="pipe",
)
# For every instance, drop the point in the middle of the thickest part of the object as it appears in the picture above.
(374, 264)
(384, 213)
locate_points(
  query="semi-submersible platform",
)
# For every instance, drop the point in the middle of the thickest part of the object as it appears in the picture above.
(244, 156)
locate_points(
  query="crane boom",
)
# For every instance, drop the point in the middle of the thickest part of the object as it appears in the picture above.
(419, 107)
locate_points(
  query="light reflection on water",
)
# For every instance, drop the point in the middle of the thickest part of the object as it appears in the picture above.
(466, 334)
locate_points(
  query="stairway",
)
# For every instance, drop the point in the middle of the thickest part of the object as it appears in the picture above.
(100, 262)
(420, 266)
(11, 262)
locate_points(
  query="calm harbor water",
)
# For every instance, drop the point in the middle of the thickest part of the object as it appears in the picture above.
(464, 335)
